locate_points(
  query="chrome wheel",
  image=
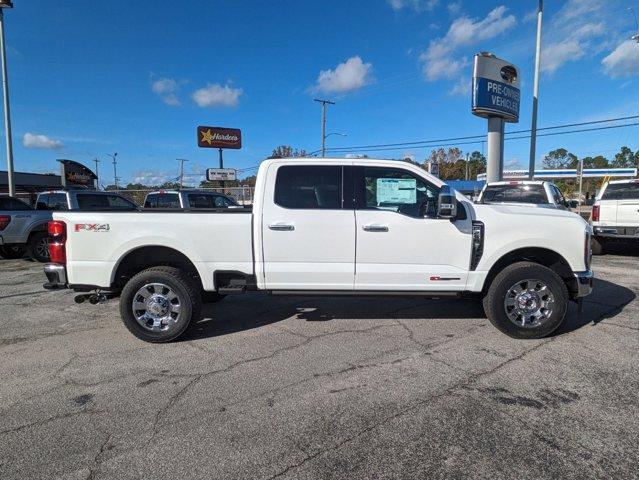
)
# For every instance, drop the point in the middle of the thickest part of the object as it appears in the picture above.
(156, 307)
(529, 303)
(42, 248)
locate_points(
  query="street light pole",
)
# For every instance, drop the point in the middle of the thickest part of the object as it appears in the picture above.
(181, 160)
(324, 103)
(533, 127)
(97, 177)
(5, 89)
(115, 169)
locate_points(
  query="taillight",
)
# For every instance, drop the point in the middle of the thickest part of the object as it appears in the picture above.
(4, 221)
(587, 251)
(595, 213)
(57, 239)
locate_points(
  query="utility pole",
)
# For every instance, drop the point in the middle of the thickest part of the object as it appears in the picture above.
(115, 169)
(97, 177)
(467, 168)
(324, 103)
(533, 127)
(5, 89)
(181, 160)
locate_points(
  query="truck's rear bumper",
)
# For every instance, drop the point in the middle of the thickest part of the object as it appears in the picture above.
(584, 283)
(616, 231)
(56, 276)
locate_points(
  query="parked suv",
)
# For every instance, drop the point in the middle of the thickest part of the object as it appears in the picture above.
(179, 199)
(531, 192)
(22, 229)
(615, 214)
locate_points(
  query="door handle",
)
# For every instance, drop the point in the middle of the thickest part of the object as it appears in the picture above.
(282, 227)
(375, 228)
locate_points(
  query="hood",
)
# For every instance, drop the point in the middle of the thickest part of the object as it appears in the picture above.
(523, 210)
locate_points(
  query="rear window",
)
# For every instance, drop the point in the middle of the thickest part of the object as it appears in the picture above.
(621, 191)
(534, 194)
(52, 201)
(162, 200)
(13, 204)
(91, 201)
(309, 187)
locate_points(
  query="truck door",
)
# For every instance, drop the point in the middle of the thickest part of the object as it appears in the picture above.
(401, 244)
(308, 231)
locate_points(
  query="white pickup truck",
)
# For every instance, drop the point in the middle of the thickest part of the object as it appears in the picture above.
(615, 214)
(328, 227)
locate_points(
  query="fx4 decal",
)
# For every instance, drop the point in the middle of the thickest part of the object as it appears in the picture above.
(91, 227)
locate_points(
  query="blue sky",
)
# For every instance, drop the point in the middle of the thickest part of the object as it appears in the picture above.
(92, 78)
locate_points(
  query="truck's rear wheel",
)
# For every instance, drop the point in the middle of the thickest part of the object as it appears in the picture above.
(158, 304)
(526, 300)
(12, 251)
(38, 247)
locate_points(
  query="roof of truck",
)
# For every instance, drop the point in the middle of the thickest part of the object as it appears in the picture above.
(517, 182)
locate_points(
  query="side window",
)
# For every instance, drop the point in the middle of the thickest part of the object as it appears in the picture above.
(309, 187)
(43, 202)
(168, 200)
(12, 204)
(224, 202)
(558, 196)
(151, 200)
(120, 203)
(201, 200)
(398, 191)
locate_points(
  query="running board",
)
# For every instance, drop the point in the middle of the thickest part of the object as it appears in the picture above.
(364, 293)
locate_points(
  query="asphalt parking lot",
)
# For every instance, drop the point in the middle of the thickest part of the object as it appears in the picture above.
(300, 388)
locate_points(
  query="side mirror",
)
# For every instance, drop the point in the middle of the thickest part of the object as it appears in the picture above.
(447, 203)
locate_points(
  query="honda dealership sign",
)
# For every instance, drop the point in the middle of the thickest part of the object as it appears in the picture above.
(495, 88)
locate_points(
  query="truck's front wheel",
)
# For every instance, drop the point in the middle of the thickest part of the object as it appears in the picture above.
(526, 300)
(158, 304)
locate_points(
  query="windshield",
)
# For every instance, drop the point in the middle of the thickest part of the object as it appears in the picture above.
(533, 194)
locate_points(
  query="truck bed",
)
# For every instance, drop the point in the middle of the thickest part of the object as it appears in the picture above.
(98, 241)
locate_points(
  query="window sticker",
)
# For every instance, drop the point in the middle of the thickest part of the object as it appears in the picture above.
(396, 190)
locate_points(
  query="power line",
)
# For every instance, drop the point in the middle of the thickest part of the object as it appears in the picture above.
(470, 137)
(508, 138)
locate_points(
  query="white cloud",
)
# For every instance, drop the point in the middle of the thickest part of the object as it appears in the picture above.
(216, 95)
(166, 89)
(439, 62)
(462, 87)
(351, 75)
(573, 33)
(623, 61)
(454, 8)
(153, 177)
(32, 140)
(417, 5)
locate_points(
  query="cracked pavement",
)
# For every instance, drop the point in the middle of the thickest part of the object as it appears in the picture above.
(305, 388)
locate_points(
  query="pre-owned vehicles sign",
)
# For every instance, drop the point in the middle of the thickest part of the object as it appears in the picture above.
(495, 88)
(218, 137)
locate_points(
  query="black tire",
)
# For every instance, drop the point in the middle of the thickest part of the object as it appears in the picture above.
(11, 252)
(498, 313)
(178, 283)
(212, 297)
(597, 246)
(38, 247)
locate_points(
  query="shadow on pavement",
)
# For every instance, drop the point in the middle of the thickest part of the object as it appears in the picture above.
(629, 249)
(235, 315)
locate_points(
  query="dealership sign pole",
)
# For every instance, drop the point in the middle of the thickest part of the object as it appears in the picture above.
(496, 97)
(5, 88)
(220, 138)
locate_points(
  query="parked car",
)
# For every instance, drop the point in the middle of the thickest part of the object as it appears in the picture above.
(188, 199)
(22, 230)
(83, 200)
(329, 227)
(529, 192)
(615, 214)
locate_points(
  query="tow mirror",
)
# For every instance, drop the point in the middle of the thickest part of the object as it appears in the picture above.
(447, 203)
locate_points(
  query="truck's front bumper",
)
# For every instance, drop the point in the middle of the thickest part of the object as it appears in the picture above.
(584, 283)
(56, 276)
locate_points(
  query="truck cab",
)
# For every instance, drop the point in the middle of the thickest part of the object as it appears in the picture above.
(615, 214)
(188, 199)
(533, 193)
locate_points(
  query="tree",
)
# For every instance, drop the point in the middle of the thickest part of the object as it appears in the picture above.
(451, 165)
(596, 162)
(476, 164)
(560, 158)
(286, 151)
(625, 159)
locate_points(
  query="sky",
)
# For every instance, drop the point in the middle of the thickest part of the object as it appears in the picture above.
(90, 79)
